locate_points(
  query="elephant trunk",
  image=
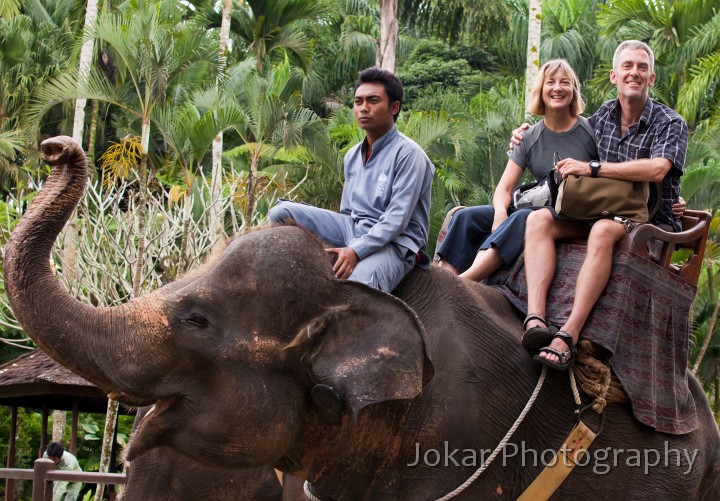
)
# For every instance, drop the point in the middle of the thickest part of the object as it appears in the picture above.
(92, 342)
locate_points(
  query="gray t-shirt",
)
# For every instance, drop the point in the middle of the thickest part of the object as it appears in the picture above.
(539, 145)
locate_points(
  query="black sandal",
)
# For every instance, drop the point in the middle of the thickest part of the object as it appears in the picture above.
(567, 357)
(536, 337)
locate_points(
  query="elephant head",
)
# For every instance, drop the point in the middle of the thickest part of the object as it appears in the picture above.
(236, 346)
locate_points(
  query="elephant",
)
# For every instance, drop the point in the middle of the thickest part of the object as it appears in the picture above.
(265, 357)
(164, 474)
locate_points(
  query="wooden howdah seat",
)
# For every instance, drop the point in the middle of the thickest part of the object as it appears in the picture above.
(638, 329)
(693, 237)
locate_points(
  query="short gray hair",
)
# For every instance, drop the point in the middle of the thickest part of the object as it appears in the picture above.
(634, 45)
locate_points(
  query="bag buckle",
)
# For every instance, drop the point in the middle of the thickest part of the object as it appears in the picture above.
(629, 225)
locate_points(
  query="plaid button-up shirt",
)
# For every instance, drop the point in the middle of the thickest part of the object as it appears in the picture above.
(660, 133)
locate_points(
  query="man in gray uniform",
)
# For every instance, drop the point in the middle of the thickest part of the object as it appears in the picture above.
(383, 224)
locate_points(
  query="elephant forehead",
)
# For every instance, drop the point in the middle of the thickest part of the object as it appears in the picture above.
(287, 243)
(256, 349)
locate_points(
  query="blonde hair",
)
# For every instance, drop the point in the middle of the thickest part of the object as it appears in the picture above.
(536, 106)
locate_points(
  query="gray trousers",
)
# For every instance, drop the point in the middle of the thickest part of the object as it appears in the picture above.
(382, 270)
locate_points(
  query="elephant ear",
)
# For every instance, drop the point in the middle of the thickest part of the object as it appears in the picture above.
(369, 349)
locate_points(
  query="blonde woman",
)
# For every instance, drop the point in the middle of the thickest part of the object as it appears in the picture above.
(482, 239)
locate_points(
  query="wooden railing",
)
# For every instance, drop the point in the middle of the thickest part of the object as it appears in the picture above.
(43, 475)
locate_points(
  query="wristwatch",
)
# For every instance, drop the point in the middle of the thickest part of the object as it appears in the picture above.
(594, 168)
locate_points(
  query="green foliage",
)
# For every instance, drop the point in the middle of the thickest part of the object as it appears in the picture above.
(569, 31)
(686, 42)
(456, 20)
(270, 27)
(434, 67)
(30, 54)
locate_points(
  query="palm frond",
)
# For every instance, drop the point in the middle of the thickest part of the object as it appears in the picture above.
(66, 87)
(11, 143)
(703, 79)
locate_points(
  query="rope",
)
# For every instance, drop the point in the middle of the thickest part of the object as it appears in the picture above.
(502, 444)
(596, 379)
(573, 385)
(308, 494)
(311, 497)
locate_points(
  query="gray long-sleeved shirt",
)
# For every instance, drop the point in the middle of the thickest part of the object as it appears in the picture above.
(389, 196)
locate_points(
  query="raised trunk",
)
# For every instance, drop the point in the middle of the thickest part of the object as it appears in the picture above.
(95, 343)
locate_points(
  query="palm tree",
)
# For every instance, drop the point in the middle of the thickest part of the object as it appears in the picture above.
(345, 44)
(269, 27)
(276, 119)
(456, 20)
(700, 54)
(30, 54)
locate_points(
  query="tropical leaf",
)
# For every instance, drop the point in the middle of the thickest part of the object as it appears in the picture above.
(703, 78)
(700, 177)
(11, 144)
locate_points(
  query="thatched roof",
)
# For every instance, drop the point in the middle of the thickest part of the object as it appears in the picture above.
(34, 379)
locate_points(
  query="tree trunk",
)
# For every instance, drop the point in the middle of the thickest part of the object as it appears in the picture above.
(70, 243)
(59, 419)
(86, 53)
(216, 219)
(533, 48)
(386, 53)
(92, 134)
(252, 180)
(108, 438)
(717, 390)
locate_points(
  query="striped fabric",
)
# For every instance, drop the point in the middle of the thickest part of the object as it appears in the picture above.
(641, 318)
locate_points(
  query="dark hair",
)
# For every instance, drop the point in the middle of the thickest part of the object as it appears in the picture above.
(55, 450)
(393, 85)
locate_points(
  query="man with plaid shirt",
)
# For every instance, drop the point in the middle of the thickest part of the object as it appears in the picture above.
(638, 139)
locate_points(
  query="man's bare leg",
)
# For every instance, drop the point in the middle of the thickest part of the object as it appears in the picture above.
(592, 279)
(486, 263)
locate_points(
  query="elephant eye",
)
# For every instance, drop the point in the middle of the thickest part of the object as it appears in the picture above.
(195, 320)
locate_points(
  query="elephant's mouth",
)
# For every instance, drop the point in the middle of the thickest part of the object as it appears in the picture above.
(157, 408)
(152, 429)
(129, 400)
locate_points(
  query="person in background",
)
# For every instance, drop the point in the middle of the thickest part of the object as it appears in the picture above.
(64, 491)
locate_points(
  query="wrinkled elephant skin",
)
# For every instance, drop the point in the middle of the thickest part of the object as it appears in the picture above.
(231, 354)
(163, 474)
